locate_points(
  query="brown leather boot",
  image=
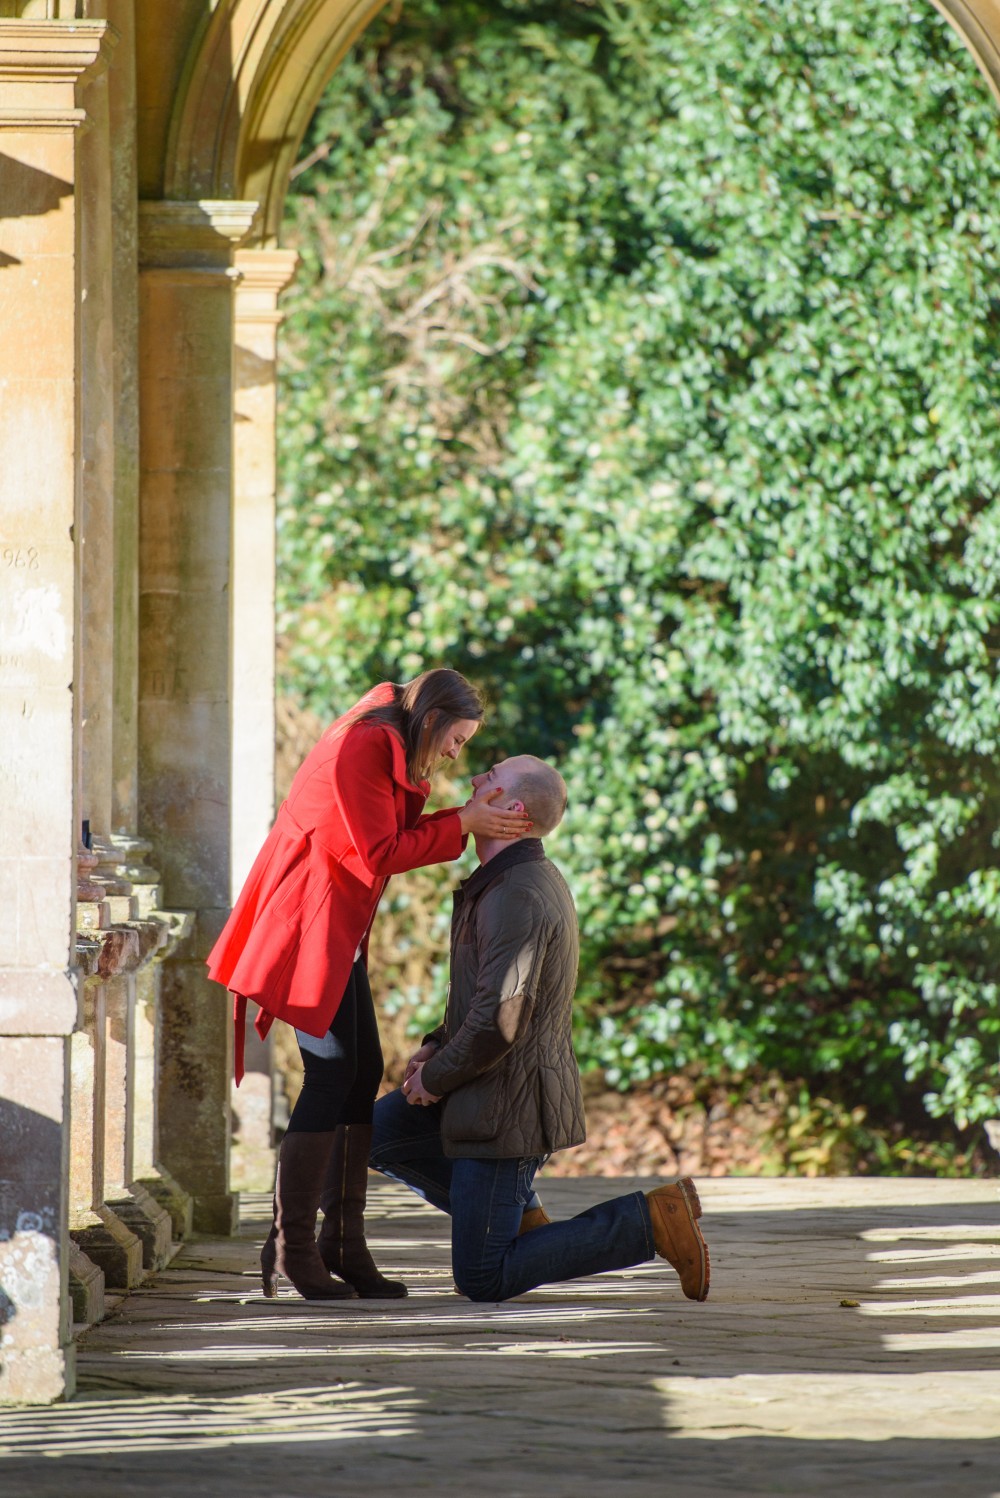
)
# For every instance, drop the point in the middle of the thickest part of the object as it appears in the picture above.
(342, 1236)
(677, 1236)
(290, 1248)
(531, 1218)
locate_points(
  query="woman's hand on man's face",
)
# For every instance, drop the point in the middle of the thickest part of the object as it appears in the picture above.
(482, 819)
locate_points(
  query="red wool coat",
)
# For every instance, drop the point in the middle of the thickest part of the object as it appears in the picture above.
(352, 818)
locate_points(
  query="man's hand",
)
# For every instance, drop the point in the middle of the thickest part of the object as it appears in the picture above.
(413, 1088)
(426, 1051)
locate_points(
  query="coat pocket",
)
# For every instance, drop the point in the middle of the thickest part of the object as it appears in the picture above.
(301, 894)
(474, 1113)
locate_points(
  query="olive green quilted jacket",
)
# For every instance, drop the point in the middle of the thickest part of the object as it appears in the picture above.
(506, 1067)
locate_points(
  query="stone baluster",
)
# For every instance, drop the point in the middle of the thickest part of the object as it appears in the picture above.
(93, 913)
(110, 872)
(149, 1177)
(94, 1226)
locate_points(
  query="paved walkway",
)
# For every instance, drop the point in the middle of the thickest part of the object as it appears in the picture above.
(851, 1346)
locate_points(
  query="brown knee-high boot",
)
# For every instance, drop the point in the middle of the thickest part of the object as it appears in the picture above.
(342, 1236)
(290, 1248)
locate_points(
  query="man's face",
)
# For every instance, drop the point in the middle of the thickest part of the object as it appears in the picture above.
(504, 773)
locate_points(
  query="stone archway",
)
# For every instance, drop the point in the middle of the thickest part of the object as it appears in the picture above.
(248, 97)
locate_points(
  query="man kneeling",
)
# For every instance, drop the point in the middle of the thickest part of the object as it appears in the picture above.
(496, 1088)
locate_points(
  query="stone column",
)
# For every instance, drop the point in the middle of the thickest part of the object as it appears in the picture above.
(264, 275)
(96, 527)
(44, 68)
(185, 773)
(125, 390)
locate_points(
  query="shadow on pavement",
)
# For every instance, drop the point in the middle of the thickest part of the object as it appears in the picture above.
(849, 1347)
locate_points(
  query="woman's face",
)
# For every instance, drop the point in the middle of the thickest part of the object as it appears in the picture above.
(449, 746)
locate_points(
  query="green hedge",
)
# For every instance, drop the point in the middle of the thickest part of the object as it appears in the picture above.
(644, 365)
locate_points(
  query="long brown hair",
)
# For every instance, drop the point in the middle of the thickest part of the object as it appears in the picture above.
(441, 695)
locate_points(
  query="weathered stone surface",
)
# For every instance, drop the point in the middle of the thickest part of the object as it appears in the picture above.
(253, 1160)
(174, 1200)
(849, 1349)
(86, 1287)
(35, 1350)
(147, 1220)
(109, 1244)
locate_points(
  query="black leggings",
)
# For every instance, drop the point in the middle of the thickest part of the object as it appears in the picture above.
(344, 1069)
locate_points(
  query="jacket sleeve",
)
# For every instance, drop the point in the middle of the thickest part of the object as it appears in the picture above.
(363, 790)
(511, 941)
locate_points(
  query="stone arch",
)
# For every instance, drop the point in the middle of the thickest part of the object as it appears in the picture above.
(258, 68)
(254, 79)
(977, 23)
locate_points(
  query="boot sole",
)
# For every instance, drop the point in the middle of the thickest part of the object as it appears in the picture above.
(692, 1203)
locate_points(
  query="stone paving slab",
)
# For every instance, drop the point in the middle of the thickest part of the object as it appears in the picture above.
(850, 1346)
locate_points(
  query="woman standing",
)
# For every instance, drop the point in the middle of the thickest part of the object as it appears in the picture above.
(296, 944)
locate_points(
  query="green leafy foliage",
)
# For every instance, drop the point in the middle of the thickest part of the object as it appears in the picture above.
(644, 365)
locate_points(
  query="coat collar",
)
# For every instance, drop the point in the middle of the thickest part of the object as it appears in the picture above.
(399, 770)
(525, 850)
(381, 696)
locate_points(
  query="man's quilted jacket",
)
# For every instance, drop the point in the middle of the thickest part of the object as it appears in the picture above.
(505, 1066)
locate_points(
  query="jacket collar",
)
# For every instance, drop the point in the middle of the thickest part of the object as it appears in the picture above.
(525, 850)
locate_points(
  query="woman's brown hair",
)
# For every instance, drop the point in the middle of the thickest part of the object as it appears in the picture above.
(441, 695)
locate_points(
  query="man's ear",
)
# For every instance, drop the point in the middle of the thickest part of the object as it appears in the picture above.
(516, 806)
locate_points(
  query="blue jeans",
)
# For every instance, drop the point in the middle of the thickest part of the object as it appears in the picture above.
(485, 1199)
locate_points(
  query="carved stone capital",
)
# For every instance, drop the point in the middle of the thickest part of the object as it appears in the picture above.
(199, 236)
(43, 65)
(264, 274)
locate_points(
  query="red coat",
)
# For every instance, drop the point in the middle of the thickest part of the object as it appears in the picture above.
(352, 818)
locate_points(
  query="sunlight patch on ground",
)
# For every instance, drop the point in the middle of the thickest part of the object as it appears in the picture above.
(510, 1315)
(396, 1350)
(980, 1306)
(113, 1427)
(835, 1407)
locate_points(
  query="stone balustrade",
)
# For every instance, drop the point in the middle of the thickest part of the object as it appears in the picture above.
(125, 1210)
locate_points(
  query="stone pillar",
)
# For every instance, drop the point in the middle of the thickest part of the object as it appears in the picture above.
(96, 526)
(44, 70)
(125, 391)
(264, 275)
(185, 775)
